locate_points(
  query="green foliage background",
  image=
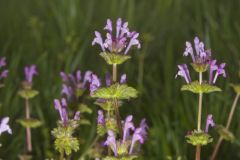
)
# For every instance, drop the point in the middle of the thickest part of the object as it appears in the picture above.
(56, 35)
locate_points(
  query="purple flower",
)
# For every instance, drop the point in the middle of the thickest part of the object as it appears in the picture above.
(184, 72)
(220, 71)
(30, 71)
(108, 79)
(144, 128)
(137, 136)
(128, 125)
(94, 84)
(100, 119)
(3, 62)
(123, 79)
(119, 43)
(201, 55)
(77, 116)
(212, 67)
(72, 82)
(61, 106)
(67, 90)
(209, 122)
(111, 141)
(4, 74)
(4, 126)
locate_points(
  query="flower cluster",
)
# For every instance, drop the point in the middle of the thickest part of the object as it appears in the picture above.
(74, 84)
(202, 61)
(132, 137)
(120, 42)
(3, 72)
(61, 107)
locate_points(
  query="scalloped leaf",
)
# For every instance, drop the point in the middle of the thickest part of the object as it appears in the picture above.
(115, 91)
(199, 138)
(236, 88)
(196, 87)
(225, 133)
(31, 123)
(112, 58)
(28, 94)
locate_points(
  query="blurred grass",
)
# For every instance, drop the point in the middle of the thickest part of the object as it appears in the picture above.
(57, 35)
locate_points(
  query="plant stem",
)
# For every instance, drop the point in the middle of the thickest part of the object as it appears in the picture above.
(62, 155)
(216, 148)
(198, 149)
(232, 111)
(115, 101)
(28, 129)
(114, 73)
(118, 117)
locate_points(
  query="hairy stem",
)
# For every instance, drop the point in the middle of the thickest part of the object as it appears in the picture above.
(230, 116)
(28, 129)
(198, 149)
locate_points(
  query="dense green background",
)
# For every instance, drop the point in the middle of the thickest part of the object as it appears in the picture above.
(56, 35)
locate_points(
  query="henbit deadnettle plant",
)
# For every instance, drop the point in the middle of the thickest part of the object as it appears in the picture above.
(224, 131)
(123, 138)
(65, 142)
(202, 62)
(27, 92)
(73, 89)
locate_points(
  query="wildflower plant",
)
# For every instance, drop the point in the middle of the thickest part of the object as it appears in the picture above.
(122, 138)
(71, 104)
(202, 63)
(27, 92)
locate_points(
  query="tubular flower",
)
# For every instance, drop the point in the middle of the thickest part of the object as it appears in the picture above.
(30, 71)
(100, 119)
(4, 127)
(111, 141)
(4, 72)
(128, 125)
(209, 122)
(61, 107)
(220, 71)
(184, 72)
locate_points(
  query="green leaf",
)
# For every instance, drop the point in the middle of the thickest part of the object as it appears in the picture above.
(236, 88)
(115, 91)
(225, 133)
(112, 58)
(198, 67)
(31, 123)
(196, 87)
(199, 138)
(28, 94)
(83, 108)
